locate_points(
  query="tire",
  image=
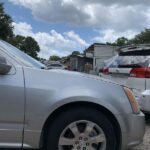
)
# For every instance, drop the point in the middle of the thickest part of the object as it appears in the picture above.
(90, 123)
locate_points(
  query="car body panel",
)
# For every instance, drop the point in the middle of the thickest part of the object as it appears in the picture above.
(72, 87)
(144, 101)
(136, 130)
(12, 100)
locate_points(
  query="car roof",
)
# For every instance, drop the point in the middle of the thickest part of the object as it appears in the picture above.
(135, 50)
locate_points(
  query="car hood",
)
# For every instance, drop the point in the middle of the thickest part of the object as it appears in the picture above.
(82, 75)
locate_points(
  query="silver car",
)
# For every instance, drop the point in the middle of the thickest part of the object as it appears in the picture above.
(61, 110)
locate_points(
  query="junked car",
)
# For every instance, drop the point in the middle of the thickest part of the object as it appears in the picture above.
(131, 67)
(62, 110)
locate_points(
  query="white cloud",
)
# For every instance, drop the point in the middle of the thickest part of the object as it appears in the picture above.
(52, 43)
(120, 15)
(111, 35)
(22, 28)
(75, 37)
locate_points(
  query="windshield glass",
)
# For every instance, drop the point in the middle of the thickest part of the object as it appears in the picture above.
(129, 62)
(21, 56)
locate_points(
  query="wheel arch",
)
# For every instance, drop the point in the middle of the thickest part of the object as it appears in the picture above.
(67, 106)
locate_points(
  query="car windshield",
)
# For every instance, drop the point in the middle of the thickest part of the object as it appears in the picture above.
(20, 56)
(128, 62)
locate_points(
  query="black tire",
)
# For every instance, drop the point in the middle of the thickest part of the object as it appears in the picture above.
(80, 113)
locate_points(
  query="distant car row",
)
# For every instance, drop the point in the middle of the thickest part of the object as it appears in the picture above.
(131, 67)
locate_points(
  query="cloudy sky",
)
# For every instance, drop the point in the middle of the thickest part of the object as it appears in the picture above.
(62, 26)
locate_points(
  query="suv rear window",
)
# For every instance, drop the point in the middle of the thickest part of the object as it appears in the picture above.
(129, 62)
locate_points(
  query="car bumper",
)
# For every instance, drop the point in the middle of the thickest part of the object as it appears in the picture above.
(144, 101)
(135, 131)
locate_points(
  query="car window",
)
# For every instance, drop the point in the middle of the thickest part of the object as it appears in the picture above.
(129, 62)
(21, 56)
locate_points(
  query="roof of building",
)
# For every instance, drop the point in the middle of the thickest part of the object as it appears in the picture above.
(91, 47)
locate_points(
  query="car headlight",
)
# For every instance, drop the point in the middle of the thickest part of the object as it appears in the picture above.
(132, 100)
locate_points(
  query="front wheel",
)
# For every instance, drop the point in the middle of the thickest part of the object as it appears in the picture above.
(81, 128)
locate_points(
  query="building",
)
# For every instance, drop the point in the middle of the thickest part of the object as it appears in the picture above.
(80, 63)
(100, 52)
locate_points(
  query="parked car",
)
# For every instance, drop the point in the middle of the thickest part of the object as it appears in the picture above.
(55, 65)
(63, 110)
(131, 67)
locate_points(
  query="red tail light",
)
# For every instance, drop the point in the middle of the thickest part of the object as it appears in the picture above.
(104, 71)
(142, 72)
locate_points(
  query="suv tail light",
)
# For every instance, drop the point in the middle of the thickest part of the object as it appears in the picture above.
(142, 72)
(104, 71)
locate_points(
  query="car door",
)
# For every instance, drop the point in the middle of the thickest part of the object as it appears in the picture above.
(12, 101)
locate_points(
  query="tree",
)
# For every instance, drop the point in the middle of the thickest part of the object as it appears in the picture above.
(6, 28)
(31, 47)
(54, 58)
(121, 41)
(75, 53)
(142, 38)
(18, 41)
(27, 45)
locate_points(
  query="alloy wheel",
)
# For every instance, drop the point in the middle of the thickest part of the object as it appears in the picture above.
(82, 135)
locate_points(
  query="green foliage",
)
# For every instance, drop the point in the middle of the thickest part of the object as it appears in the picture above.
(75, 53)
(27, 45)
(142, 38)
(6, 28)
(54, 58)
(121, 41)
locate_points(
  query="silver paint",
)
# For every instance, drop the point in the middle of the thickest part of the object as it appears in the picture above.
(28, 96)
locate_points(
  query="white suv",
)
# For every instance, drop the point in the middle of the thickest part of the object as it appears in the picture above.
(131, 67)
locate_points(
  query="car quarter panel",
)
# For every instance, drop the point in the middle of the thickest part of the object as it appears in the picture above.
(48, 90)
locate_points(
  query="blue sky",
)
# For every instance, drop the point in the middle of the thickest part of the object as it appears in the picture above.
(62, 26)
(22, 14)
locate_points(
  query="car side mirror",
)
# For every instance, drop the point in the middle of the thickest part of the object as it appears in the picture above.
(4, 67)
